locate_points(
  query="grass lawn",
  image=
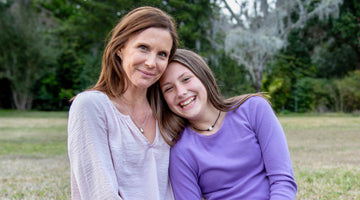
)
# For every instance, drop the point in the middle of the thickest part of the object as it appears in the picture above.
(33, 155)
(324, 150)
(325, 153)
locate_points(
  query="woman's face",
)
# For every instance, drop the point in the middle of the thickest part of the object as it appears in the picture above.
(184, 93)
(145, 56)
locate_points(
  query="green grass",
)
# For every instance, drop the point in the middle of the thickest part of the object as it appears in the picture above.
(32, 114)
(324, 150)
(33, 155)
(325, 153)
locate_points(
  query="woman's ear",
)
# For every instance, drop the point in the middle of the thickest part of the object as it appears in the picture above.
(118, 52)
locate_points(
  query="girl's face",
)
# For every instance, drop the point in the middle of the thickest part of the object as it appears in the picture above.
(184, 93)
(145, 56)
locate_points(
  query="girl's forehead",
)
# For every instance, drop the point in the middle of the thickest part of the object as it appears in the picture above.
(173, 71)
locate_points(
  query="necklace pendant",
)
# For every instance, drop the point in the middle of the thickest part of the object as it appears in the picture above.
(210, 128)
(142, 130)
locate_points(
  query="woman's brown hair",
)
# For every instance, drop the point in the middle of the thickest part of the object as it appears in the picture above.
(171, 123)
(112, 80)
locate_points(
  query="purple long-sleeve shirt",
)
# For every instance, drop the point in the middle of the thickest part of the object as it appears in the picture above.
(248, 158)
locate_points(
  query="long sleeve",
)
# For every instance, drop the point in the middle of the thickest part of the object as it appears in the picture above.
(183, 176)
(274, 150)
(92, 170)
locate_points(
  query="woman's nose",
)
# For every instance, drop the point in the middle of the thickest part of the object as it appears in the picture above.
(151, 60)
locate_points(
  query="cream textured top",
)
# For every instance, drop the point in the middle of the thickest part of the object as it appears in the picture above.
(110, 158)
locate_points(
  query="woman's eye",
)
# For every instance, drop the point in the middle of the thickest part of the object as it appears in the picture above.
(143, 47)
(163, 54)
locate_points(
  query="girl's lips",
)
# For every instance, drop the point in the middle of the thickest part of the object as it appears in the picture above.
(187, 102)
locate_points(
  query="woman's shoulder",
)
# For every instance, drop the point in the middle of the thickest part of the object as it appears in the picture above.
(90, 96)
(90, 99)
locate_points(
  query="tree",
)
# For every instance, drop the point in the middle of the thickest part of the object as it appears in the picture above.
(25, 50)
(262, 28)
(320, 50)
(194, 34)
(339, 51)
(82, 31)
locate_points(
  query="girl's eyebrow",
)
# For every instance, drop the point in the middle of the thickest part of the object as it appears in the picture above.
(167, 83)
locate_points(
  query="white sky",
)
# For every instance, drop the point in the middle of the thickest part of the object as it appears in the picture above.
(235, 6)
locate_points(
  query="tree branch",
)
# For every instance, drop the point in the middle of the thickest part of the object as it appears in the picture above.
(239, 22)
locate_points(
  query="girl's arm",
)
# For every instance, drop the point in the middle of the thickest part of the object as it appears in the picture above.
(183, 177)
(274, 149)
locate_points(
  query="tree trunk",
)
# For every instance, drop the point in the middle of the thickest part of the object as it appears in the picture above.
(22, 100)
(258, 80)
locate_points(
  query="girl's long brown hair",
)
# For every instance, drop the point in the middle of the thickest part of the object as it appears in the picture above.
(171, 123)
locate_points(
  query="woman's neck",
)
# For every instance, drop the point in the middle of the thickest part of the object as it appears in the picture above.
(135, 97)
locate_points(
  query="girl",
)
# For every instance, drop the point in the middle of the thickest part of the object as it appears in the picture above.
(228, 148)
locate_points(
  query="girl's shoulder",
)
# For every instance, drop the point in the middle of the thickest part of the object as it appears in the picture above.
(251, 101)
(258, 100)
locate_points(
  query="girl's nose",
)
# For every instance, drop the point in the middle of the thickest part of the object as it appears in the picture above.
(181, 91)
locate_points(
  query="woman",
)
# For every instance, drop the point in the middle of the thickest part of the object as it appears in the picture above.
(114, 144)
(229, 148)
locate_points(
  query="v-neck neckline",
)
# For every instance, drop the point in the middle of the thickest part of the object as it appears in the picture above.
(134, 127)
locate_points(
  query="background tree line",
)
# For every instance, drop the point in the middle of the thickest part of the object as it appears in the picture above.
(51, 49)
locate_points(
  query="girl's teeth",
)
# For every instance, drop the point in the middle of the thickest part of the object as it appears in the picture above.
(187, 102)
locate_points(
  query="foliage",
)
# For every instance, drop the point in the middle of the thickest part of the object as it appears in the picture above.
(349, 90)
(284, 73)
(71, 34)
(261, 29)
(322, 95)
(340, 50)
(83, 30)
(231, 78)
(194, 22)
(83, 27)
(307, 75)
(313, 95)
(27, 50)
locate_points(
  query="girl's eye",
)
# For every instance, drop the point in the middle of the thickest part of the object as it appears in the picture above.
(185, 79)
(167, 89)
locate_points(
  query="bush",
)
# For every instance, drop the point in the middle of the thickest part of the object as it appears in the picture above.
(349, 88)
(323, 95)
(316, 95)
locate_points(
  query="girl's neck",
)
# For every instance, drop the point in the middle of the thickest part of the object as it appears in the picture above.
(207, 120)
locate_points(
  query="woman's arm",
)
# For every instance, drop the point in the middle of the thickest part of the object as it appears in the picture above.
(92, 171)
